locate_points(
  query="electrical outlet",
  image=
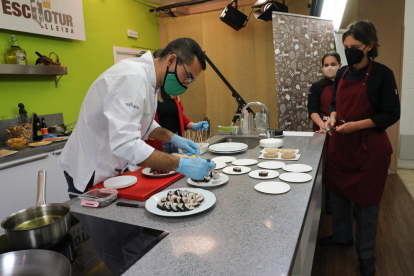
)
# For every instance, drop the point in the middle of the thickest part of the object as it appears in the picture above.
(132, 33)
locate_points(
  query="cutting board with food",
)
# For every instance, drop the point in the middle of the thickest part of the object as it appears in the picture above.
(145, 186)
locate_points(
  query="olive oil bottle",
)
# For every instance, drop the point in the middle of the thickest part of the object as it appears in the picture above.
(15, 54)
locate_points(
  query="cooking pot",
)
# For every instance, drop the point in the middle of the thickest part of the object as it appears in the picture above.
(41, 226)
(34, 262)
(61, 128)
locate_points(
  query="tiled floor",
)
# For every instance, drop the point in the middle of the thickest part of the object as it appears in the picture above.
(407, 176)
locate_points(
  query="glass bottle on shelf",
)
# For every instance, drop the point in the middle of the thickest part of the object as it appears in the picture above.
(15, 54)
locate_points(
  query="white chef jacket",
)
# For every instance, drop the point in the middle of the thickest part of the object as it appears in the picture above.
(116, 115)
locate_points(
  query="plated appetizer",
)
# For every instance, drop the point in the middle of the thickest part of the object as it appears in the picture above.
(180, 201)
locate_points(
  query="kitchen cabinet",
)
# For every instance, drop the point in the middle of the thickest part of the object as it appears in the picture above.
(19, 182)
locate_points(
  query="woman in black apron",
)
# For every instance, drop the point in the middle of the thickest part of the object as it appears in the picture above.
(365, 103)
(320, 93)
(319, 102)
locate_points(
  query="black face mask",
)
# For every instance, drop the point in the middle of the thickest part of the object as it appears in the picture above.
(354, 56)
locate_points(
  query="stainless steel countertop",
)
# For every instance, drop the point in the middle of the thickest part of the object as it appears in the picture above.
(245, 233)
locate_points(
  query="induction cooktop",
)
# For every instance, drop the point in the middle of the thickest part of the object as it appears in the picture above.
(97, 246)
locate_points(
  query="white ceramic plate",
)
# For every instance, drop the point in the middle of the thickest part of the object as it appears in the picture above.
(219, 165)
(212, 183)
(272, 187)
(229, 170)
(60, 139)
(270, 175)
(227, 147)
(225, 159)
(295, 177)
(228, 152)
(151, 203)
(271, 165)
(244, 162)
(43, 144)
(119, 182)
(146, 172)
(298, 168)
(279, 158)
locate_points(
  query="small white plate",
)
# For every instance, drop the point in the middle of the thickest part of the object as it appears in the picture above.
(225, 159)
(146, 172)
(227, 147)
(41, 145)
(60, 139)
(295, 177)
(151, 203)
(219, 165)
(272, 187)
(227, 152)
(297, 168)
(270, 175)
(229, 170)
(271, 165)
(212, 183)
(244, 162)
(119, 182)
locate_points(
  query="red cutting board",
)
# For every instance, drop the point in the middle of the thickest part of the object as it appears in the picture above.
(145, 186)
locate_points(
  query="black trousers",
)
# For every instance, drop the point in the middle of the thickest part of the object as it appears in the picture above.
(366, 224)
(71, 186)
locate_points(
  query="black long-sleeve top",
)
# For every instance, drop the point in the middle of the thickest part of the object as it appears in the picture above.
(314, 96)
(381, 90)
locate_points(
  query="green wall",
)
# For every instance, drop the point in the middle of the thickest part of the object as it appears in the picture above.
(106, 23)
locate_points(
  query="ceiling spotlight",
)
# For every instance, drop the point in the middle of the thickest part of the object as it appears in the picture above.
(233, 17)
(266, 7)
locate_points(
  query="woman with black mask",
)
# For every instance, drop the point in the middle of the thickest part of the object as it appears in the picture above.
(365, 103)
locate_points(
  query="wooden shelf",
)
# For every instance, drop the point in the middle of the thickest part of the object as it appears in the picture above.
(15, 69)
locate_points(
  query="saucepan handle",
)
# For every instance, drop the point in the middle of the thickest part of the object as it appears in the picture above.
(41, 188)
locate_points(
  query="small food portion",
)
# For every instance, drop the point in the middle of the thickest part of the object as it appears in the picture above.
(212, 175)
(271, 150)
(39, 144)
(263, 173)
(16, 143)
(237, 169)
(288, 155)
(271, 155)
(180, 201)
(287, 151)
(215, 174)
(4, 152)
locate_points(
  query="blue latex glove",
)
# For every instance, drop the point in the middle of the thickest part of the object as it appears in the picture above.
(200, 126)
(195, 168)
(188, 146)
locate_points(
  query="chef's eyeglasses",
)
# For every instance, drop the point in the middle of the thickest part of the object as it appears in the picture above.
(188, 79)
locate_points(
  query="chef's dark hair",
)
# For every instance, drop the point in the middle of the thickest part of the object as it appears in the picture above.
(185, 48)
(324, 81)
(365, 32)
(157, 53)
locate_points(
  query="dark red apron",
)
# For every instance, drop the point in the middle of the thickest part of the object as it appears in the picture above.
(358, 161)
(324, 104)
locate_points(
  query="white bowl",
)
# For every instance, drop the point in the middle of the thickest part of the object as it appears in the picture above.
(203, 147)
(271, 143)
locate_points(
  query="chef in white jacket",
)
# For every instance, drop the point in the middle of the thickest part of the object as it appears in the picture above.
(117, 115)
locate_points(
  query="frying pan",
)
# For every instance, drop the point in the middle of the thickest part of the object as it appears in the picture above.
(41, 226)
(34, 262)
(61, 128)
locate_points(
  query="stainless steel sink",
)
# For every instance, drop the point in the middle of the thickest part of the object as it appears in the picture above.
(251, 142)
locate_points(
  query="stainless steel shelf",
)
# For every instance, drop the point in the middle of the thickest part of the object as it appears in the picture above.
(15, 69)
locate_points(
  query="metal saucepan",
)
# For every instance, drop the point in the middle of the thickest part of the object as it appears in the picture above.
(41, 226)
(61, 128)
(34, 262)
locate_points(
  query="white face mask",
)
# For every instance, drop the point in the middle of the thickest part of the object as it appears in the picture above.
(330, 71)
